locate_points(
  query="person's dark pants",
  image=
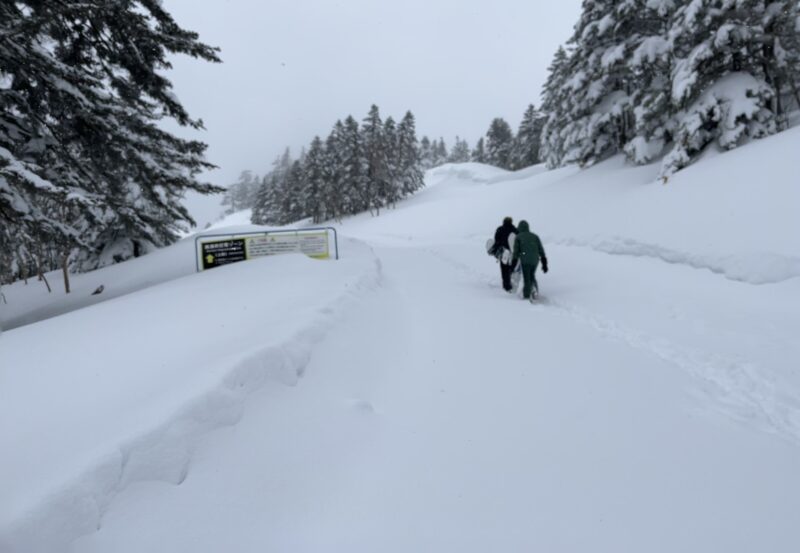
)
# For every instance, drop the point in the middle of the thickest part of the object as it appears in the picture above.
(529, 279)
(505, 273)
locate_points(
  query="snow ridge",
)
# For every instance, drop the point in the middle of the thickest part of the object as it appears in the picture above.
(165, 452)
(755, 268)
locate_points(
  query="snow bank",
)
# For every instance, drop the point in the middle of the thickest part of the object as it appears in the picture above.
(470, 172)
(753, 268)
(29, 303)
(120, 392)
(734, 213)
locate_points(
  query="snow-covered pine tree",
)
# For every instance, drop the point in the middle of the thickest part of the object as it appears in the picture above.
(776, 51)
(334, 168)
(722, 82)
(499, 142)
(460, 152)
(426, 152)
(83, 122)
(393, 190)
(439, 152)
(268, 205)
(555, 106)
(410, 164)
(600, 112)
(293, 206)
(782, 21)
(479, 153)
(650, 63)
(241, 194)
(314, 181)
(377, 168)
(354, 168)
(527, 143)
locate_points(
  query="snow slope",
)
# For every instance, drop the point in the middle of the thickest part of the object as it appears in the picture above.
(118, 392)
(649, 402)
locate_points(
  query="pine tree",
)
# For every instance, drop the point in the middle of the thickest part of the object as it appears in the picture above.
(439, 152)
(499, 142)
(393, 191)
(600, 112)
(427, 153)
(242, 193)
(650, 66)
(782, 52)
(268, 206)
(354, 168)
(479, 153)
(84, 162)
(334, 169)
(555, 106)
(527, 144)
(460, 152)
(293, 206)
(314, 181)
(377, 181)
(724, 77)
(410, 165)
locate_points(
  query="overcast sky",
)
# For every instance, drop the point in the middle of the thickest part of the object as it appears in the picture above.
(291, 68)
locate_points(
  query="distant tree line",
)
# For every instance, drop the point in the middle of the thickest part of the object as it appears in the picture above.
(370, 166)
(664, 79)
(357, 168)
(88, 176)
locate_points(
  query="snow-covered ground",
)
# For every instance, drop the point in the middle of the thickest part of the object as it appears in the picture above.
(398, 400)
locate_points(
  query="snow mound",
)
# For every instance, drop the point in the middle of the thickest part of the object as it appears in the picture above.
(186, 370)
(467, 172)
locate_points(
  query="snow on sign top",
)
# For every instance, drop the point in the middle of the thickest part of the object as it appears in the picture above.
(222, 249)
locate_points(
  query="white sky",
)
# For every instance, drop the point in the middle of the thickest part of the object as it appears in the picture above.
(293, 67)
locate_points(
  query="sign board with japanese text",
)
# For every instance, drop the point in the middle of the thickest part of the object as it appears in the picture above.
(217, 250)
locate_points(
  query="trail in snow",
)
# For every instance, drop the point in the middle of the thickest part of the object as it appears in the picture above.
(444, 414)
(736, 385)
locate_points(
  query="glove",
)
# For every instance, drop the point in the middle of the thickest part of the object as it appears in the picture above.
(544, 264)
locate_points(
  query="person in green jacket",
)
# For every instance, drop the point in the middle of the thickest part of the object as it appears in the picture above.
(528, 250)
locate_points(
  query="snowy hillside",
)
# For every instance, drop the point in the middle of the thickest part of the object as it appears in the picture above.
(399, 400)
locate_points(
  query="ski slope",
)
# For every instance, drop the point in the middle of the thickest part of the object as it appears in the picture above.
(399, 400)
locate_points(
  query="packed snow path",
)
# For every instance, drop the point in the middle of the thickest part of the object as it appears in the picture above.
(445, 415)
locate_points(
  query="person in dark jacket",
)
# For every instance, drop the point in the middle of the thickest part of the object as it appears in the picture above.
(501, 241)
(528, 250)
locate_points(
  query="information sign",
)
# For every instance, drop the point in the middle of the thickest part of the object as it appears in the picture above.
(222, 252)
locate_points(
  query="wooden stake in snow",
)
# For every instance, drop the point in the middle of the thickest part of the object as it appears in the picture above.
(65, 270)
(41, 274)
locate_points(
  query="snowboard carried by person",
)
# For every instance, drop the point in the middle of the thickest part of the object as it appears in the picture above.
(516, 276)
(501, 247)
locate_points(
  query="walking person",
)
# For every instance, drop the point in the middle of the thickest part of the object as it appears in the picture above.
(503, 242)
(528, 250)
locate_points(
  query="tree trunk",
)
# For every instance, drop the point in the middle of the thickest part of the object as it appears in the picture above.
(41, 274)
(65, 270)
(796, 93)
(23, 269)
